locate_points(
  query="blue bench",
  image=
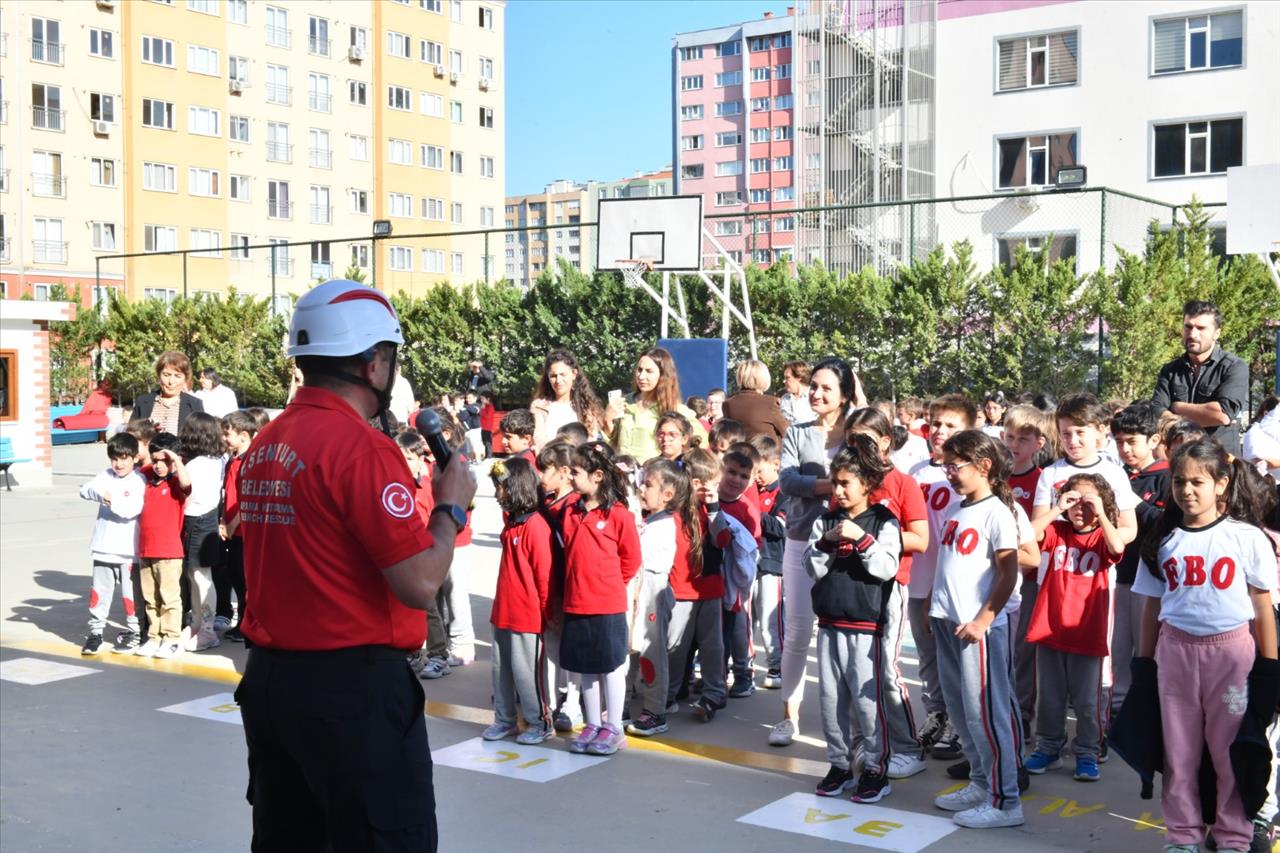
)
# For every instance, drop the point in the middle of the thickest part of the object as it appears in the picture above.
(6, 459)
(70, 436)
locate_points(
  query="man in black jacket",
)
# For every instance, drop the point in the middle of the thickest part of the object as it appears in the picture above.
(478, 377)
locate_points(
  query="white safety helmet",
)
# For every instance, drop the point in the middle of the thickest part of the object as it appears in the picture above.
(342, 317)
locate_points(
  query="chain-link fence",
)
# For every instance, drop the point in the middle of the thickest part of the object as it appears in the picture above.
(1089, 226)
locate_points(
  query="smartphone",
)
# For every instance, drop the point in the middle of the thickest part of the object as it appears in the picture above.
(615, 394)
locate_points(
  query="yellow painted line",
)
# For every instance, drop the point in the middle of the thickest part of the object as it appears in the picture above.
(445, 710)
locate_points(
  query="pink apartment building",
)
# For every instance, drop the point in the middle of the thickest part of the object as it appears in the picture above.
(733, 139)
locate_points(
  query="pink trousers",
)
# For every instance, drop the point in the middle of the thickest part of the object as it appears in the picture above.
(1203, 694)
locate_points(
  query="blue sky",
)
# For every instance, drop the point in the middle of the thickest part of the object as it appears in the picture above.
(589, 83)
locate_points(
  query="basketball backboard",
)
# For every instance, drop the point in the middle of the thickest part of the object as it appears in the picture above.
(664, 230)
(1253, 209)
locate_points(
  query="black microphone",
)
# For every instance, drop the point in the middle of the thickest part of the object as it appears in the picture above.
(428, 424)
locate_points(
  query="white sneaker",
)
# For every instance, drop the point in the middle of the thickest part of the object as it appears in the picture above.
(904, 766)
(782, 733)
(968, 797)
(166, 651)
(987, 816)
(205, 640)
(148, 649)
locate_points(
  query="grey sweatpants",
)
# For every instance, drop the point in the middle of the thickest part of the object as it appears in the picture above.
(1065, 678)
(1124, 640)
(650, 673)
(927, 653)
(106, 576)
(768, 613)
(851, 698)
(1024, 653)
(898, 716)
(519, 674)
(976, 680)
(696, 623)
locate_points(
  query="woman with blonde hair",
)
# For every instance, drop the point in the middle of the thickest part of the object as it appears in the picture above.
(751, 406)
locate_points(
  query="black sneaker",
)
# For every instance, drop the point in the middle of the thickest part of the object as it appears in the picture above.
(959, 770)
(947, 746)
(836, 782)
(933, 726)
(871, 788)
(1261, 842)
(705, 710)
(742, 688)
(234, 635)
(647, 724)
(92, 644)
(126, 643)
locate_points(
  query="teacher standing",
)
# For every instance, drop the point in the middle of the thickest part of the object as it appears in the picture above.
(656, 390)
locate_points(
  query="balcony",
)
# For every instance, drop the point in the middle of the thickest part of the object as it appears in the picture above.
(321, 269)
(279, 36)
(49, 251)
(283, 266)
(320, 102)
(279, 210)
(4, 112)
(320, 158)
(45, 118)
(279, 152)
(50, 52)
(321, 214)
(318, 46)
(4, 180)
(48, 185)
(277, 94)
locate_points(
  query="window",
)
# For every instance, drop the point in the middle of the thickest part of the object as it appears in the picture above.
(360, 256)
(455, 262)
(157, 113)
(760, 164)
(207, 7)
(159, 238)
(455, 162)
(164, 294)
(431, 105)
(157, 51)
(1044, 60)
(318, 97)
(431, 52)
(455, 112)
(399, 98)
(729, 108)
(729, 48)
(486, 18)
(203, 60)
(455, 11)
(433, 208)
(238, 11)
(358, 147)
(783, 102)
(432, 156)
(1063, 246)
(486, 117)
(358, 92)
(358, 37)
(278, 91)
(728, 228)
(159, 176)
(46, 41)
(759, 134)
(102, 172)
(400, 151)
(486, 68)
(729, 167)
(760, 196)
(102, 43)
(689, 84)
(455, 62)
(283, 264)
(432, 6)
(783, 164)
(1197, 147)
(318, 36)
(1033, 161)
(486, 167)
(691, 172)
(209, 242)
(278, 148)
(486, 217)
(321, 210)
(203, 182)
(728, 198)
(46, 175)
(238, 69)
(319, 154)
(433, 260)
(400, 258)
(782, 72)
(203, 121)
(321, 265)
(278, 204)
(688, 53)
(759, 105)
(238, 128)
(239, 247)
(693, 111)
(1197, 43)
(730, 138)
(691, 143)
(455, 211)
(784, 223)
(781, 133)
(238, 188)
(398, 45)
(277, 27)
(782, 40)
(399, 204)
(762, 256)
(359, 200)
(757, 44)
(102, 107)
(728, 78)
(761, 74)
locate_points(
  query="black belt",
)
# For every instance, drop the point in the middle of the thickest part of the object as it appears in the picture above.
(351, 653)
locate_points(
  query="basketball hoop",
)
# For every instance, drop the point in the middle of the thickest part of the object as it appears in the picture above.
(638, 265)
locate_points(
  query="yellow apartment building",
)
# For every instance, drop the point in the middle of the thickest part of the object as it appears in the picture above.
(221, 125)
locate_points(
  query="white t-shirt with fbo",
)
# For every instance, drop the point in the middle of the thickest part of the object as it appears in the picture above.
(1053, 478)
(973, 534)
(939, 499)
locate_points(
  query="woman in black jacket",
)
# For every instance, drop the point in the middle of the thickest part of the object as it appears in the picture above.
(170, 405)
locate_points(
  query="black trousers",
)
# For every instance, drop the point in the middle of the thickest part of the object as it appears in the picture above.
(229, 577)
(338, 752)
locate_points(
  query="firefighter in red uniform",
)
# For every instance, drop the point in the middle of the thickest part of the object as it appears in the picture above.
(340, 568)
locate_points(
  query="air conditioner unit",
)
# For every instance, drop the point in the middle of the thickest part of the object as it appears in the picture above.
(106, 4)
(102, 128)
(454, 76)
(485, 83)
(439, 70)
(236, 86)
(356, 53)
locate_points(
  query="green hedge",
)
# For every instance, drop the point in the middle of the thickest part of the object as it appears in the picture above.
(935, 326)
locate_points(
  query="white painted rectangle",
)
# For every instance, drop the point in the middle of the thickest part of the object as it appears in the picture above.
(509, 759)
(220, 707)
(851, 823)
(664, 229)
(1253, 209)
(40, 671)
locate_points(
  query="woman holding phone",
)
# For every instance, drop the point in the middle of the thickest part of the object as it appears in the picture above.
(656, 389)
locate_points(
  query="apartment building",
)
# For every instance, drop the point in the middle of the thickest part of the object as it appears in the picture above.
(529, 253)
(217, 125)
(733, 133)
